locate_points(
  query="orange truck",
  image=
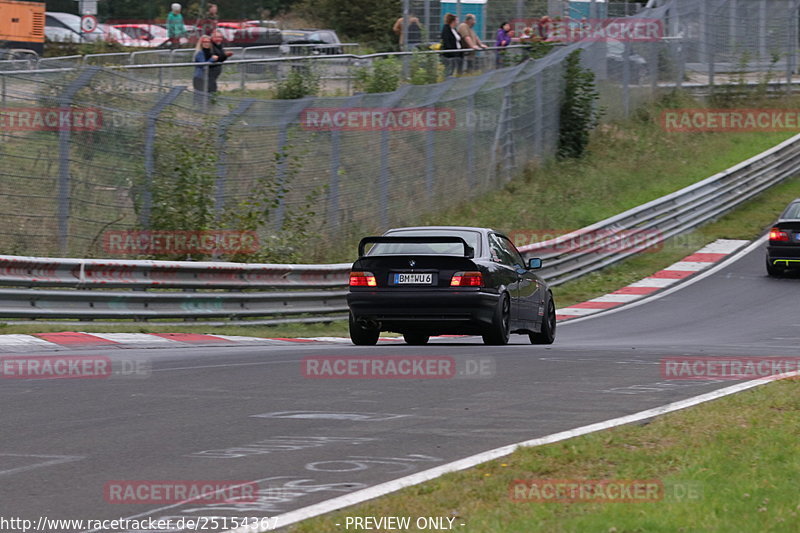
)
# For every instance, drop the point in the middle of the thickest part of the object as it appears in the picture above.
(22, 25)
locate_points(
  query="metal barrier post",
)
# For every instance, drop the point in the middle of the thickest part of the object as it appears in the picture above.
(383, 180)
(149, 151)
(286, 121)
(333, 186)
(64, 103)
(222, 161)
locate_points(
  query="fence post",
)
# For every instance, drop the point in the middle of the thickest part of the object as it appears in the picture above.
(626, 79)
(64, 102)
(538, 115)
(222, 154)
(333, 184)
(283, 136)
(149, 151)
(430, 139)
(383, 180)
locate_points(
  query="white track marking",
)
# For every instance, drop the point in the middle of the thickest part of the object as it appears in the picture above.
(382, 489)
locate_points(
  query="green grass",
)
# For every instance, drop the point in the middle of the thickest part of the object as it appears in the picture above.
(737, 454)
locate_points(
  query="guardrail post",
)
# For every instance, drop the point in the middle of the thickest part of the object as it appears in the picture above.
(3, 88)
(64, 103)
(222, 161)
(149, 151)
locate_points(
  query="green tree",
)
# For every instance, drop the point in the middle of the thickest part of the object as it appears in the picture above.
(363, 21)
(579, 112)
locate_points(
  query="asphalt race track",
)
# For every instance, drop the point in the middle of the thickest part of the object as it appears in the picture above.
(195, 417)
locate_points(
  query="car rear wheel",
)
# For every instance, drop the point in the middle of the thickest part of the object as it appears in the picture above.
(772, 270)
(416, 339)
(498, 334)
(548, 333)
(362, 336)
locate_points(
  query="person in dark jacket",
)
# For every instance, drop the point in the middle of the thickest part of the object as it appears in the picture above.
(201, 81)
(216, 69)
(451, 40)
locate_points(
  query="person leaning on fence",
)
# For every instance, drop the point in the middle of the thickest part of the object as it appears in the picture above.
(175, 26)
(451, 40)
(503, 39)
(470, 40)
(414, 31)
(201, 81)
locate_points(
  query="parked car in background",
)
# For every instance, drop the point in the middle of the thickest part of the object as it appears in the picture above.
(147, 35)
(66, 28)
(310, 42)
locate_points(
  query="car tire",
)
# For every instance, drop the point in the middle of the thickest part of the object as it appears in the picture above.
(773, 271)
(499, 331)
(362, 336)
(548, 333)
(416, 339)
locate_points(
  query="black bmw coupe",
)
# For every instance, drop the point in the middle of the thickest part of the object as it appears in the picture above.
(437, 280)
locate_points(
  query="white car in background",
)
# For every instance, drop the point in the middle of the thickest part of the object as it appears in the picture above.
(66, 28)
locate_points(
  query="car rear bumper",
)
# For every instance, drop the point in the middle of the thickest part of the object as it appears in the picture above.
(784, 256)
(434, 312)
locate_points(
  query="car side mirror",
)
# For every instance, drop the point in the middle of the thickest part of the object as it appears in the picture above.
(534, 264)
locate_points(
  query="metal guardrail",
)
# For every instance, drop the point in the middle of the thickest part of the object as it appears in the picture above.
(578, 253)
(87, 289)
(167, 289)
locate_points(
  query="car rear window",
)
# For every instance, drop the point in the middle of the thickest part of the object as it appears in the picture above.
(793, 211)
(473, 239)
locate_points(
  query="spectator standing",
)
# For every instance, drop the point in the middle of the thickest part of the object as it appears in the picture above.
(503, 39)
(470, 40)
(201, 81)
(451, 40)
(543, 27)
(208, 24)
(175, 26)
(414, 31)
(216, 69)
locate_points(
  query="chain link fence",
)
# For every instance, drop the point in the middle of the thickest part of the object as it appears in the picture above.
(82, 147)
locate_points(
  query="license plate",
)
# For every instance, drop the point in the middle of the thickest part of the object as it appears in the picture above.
(413, 279)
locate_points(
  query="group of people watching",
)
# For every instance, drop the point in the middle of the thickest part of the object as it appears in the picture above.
(464, 41)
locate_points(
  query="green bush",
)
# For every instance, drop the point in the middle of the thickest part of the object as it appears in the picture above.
(579, 112)
(425, 69)
(383, 76)
(301, 81)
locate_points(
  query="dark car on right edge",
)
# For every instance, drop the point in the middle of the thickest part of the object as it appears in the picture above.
(783, 247)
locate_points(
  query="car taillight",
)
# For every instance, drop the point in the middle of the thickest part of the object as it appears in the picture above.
(467, 279)
(777, 234)
(362, 279)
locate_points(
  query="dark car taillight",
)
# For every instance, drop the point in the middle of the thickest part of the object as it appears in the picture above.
(778, 235)
(467, 279)
(362, 279)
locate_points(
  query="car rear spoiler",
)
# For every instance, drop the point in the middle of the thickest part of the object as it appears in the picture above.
(469, 252)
